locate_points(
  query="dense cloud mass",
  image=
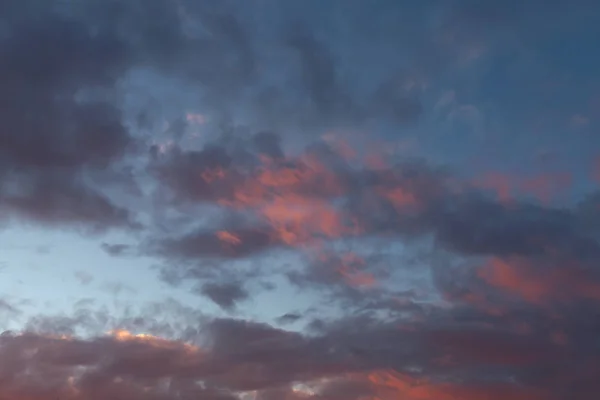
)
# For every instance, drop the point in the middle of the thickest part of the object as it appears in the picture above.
(365, 200)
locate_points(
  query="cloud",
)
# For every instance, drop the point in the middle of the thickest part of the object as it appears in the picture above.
(503, 270)
(62, 200)
(319, 194)
(116, 249)
(66, 356)
(537, 282)
(425, 281)
(431, 359)
(63, 121)
(343, 219)
(52, 133)
(226, 295)
(228, 244)
(9, 310)
(85, 278)
(288, 318)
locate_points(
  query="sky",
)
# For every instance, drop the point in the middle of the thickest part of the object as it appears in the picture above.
(292, 200)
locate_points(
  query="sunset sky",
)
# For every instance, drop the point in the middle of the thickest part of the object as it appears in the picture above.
(299, 200)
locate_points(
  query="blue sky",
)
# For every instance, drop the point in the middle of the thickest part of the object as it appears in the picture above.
(333, 199)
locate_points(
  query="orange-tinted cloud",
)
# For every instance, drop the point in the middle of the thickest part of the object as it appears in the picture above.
(539, 284)
(543, 187)
(228, 237)
(122, 335)
(294, 200)
(350, 269)
(390, 385)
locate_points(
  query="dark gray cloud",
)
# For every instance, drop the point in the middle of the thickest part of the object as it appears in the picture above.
(61, 120)
(226, 295)
(116, 249)
(51, 132)
(450, 353)
(8, 309)
(288, 318)
(57, 58)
